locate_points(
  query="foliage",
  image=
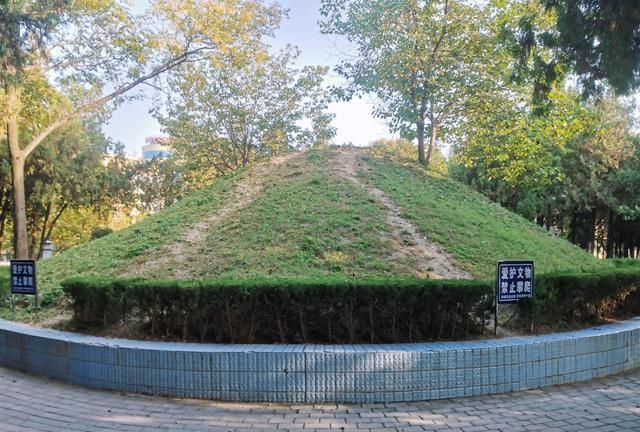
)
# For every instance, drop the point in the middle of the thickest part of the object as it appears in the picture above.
(76, 226)
(88, 47)
(99, 232)
(568, 163)
(225, 114)
(475, 231)
(73, 170)
(625, 186)
(6, 200)
(626, 263)
(423, 60)
(324, 310)
(159, 182)
(595, 39)
(522, 26)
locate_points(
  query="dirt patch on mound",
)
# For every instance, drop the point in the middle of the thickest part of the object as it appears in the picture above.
(179, 254)
(410, 247)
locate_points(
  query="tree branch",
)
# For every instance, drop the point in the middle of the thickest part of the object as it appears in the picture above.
(90, 106)
(443, 33)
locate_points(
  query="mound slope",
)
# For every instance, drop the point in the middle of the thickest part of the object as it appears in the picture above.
(319, 213)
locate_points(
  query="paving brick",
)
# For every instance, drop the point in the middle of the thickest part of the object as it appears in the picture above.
(29, 403)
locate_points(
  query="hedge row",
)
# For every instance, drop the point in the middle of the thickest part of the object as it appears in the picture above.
(583, 298)
(342, 311)
(287, 311)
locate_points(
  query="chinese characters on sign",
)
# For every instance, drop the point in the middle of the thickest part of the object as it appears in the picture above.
(23, 277)
(515, 281)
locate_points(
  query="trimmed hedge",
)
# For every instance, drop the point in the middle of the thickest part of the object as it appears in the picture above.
(583, 298)
(287, 311)
(342, 311)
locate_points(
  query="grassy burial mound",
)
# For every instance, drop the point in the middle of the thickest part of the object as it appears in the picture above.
(318, 214)
(335, 246)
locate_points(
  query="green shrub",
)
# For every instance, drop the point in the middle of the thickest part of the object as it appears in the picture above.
(583, 298)
(342, 310)
(284, 310)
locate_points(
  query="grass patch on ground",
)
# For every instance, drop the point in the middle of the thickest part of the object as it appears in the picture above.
(476, 231)
(4, 283)
(626, 263)
(309, 223)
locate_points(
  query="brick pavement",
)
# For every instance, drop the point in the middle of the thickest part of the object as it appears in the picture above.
(30, 403)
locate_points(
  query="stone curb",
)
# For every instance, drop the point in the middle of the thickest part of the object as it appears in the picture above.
(322, 373)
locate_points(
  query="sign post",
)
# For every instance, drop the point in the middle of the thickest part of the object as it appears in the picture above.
(23, 280)
(515, 281)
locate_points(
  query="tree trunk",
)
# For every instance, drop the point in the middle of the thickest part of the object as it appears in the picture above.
(573, 226)
(432, 143)
(611, 234)
(20, 236)
(420, 135)
(33, 245)
(43, 233)
(55, 220)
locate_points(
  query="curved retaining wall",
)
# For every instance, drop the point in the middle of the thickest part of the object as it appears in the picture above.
(322, 373)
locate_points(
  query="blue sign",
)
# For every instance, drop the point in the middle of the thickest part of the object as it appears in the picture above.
(23, 277)
(515, 281)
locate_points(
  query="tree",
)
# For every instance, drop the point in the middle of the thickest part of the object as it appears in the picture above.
(159, 182)
(223, 115)
(624, 223)
(99, 52)
(70, 170)
(422, 59)
(6, 201)
(560, 168)
(595, 39)
(74, 170)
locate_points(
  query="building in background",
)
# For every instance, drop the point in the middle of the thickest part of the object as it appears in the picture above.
(156, 147)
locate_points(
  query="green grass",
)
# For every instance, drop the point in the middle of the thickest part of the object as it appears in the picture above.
(626, 263)
(312, 224)
(112, 254)
(4, 283)
(476, 231)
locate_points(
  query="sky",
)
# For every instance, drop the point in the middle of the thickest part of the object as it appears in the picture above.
(132, 122)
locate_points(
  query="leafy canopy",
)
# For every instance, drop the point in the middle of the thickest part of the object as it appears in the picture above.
(422, 59)
(595, 39)
(222, 115)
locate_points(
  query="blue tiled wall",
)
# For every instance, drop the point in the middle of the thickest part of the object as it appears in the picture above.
(322, 373)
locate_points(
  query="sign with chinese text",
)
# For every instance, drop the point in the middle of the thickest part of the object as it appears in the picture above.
(515, 281)
(23, 277)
